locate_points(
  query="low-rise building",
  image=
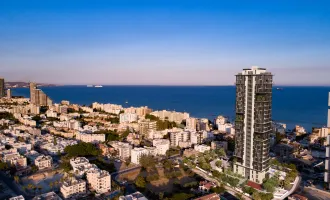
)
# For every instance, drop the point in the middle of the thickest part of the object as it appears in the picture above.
(128, 117)
(99, 180)
(90, 138)
(162, 145)
(47, 196)
(202, 148)
(134, 196)
(136, 154)
(20, 197)
(213, 196)
(15, 159)
(43, 162)
(72, 188)
(123, 149)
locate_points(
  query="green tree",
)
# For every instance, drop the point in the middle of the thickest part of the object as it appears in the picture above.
(55, 141)
(161, 195)
(147, 161)
(218, 163)
(140, 182)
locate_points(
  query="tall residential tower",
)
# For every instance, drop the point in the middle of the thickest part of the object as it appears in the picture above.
(253, 123)
(38, 97)
(327, 152)
(2, 87)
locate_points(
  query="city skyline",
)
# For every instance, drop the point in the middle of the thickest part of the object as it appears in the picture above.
(163, 43)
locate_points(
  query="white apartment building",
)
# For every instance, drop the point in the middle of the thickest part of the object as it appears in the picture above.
(134, 196)
(81, 165)
(71, 124)
(177, 137)
(171, 116)
(136, 154)
(16, 159)
(162, 145)
(128, 117)
(202, 148)
(90, 138)
(43, 162)
(73, 187)
(51, 113)
(123, 149)
(191, 123)
(109, 108)
(99, 180)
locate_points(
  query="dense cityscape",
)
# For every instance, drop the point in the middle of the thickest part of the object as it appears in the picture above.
(62, 150)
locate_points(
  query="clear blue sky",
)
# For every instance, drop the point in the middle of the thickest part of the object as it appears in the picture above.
(164, 42)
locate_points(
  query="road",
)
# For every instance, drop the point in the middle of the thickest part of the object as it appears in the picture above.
(314, 194)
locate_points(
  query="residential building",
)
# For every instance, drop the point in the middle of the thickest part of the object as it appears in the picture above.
(22, 147)
(90, 138)
(38, 97)
(20, 197)
(2, 87)
(147, 125)
(171, 116)
(99, 180)
(328, 125)
(51, 113)
(202, 148)
(72, 188)
(203, 125)
(300, 130)
(134, 196)
(15, 159)
(128, 117)
(327, 152)
(123, 149)
(162, 145)
(9, 94)
(253, 123)
(284, 150)
(43, 162)
(136, 154)
(219, 145)
(47, 196)
(65, 102)
(177, 137)
(191, 123)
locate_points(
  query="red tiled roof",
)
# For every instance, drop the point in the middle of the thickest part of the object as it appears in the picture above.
(254, 185)
(299, 197)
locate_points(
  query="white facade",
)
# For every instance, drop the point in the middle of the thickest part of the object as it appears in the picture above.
(124, 149)
(177, 137)
(51, 113)
(171, 116)
(162, 145)
(16, 159)
(22, 147)
(128, 117)
(202, 148)
(90, 138)
(99, 180)
(136, 154)
(219, 144)
(73, 187)
(43, 162)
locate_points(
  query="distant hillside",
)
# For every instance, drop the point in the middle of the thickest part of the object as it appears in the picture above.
(26, 85)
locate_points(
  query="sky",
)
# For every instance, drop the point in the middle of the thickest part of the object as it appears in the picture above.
(158, 42)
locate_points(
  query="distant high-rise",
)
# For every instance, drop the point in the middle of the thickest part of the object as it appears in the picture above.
(253, 123)
(9, 95)
(38, 97)
(2, 87)
(327, 152)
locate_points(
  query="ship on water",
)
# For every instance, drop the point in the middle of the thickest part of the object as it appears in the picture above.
(98, 86)
(90, 85)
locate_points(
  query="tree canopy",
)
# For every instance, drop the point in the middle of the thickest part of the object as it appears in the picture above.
(82, 149)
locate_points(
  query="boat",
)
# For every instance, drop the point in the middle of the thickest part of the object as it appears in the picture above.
(89, 85)
(126, 102)
(279, 88)
(98, 86)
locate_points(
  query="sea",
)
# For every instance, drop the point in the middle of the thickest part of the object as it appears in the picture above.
(292, 105)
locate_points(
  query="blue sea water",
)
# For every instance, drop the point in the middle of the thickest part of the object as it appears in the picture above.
(305, 106)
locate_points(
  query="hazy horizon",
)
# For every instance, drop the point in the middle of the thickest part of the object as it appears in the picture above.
(195, 43)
